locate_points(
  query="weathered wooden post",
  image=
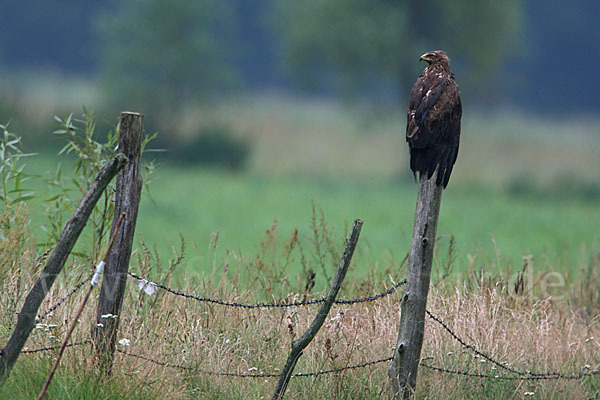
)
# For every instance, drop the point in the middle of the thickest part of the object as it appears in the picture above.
(78, 314)
(68, 237)
(127, 198)
(299, 345)
(404, 368)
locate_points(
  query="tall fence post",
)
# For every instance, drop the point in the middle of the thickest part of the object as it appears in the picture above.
(69, 235)
(127, 198)
(404, 367)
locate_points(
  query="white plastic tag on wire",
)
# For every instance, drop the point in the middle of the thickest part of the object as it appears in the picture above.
(96, 276)
(146, 286)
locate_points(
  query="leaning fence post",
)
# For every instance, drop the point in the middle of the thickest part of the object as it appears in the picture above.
(404, 367)
(127, 198)
(78, 314)
(68, 237)
(299, 345)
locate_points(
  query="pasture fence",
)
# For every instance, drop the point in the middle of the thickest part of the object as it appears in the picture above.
(512, 374)
(267, 305)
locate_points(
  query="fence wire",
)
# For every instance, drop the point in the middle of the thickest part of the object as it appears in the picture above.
(50, 348)
(519, 377)
(522, 375)
(266, 305)
(254, 375)
(62, 301)
(536, 377)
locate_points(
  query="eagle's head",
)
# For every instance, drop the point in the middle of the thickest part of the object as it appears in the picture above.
(435, 57)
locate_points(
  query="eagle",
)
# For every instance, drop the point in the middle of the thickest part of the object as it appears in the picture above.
(433, 120)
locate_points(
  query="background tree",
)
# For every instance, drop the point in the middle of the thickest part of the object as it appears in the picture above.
(349, 44)
(157, 56)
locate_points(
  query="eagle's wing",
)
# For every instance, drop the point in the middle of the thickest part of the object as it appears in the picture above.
(423, 99)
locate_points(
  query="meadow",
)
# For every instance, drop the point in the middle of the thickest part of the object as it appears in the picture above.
(524, 192)
(523, 186)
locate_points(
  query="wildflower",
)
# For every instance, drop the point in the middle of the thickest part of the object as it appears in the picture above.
(107, 316)
(252, 369)
(528, 393)
(45, 327)
(124, 342)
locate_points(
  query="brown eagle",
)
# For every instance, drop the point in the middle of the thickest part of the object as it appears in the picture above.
(433, 121)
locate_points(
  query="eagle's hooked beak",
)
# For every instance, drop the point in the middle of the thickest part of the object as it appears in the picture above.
(426, 57)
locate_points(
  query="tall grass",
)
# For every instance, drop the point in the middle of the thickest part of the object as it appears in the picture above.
(514, 194)
(494, 312)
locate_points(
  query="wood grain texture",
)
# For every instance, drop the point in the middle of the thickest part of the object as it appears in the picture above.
(127, 198)
(404, 367)
(68, 237)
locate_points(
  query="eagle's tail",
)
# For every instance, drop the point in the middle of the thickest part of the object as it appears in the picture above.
(426, 161)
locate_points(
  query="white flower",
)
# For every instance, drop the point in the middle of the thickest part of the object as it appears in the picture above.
(100, 325)
(107, 316)
(45, 327)
(252, 369)
(124, 342)
(146, 286)
(528, 393)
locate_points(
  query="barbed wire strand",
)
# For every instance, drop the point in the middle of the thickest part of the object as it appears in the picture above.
(549, 376)
(50, 348)
(266, 305)
(578, 376)
(64, 299)
(527, 375)
(253, 375)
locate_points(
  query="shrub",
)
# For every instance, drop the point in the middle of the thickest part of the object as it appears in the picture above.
(213, 147)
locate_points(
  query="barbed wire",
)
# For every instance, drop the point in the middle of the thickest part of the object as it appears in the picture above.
(42, 349)
(520, 375)
(62, 301)
(266, 305)
(551, 376)
(523, 375)
(253, 375)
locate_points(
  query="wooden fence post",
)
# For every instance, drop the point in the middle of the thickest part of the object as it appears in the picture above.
(68, 237)
(299, 345)
(127, 198)
(404, 367)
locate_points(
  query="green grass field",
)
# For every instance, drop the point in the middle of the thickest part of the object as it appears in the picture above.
(241, 207)
(522, 186)
(487, 223)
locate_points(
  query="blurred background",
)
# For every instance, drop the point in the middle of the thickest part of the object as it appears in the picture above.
(268, 108)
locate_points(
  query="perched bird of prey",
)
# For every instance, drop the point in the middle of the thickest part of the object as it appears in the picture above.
(433, 121)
